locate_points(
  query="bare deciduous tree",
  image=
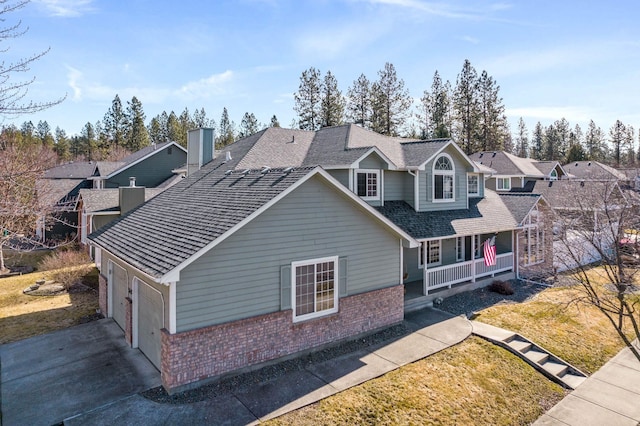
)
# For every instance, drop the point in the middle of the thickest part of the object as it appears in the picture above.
(21, 166)
(600, 222)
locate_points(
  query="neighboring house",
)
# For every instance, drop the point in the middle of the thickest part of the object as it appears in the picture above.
(515, 172)
(98, 207)
(289, 240)
(61, 185)
(593, 171)
(573, 202)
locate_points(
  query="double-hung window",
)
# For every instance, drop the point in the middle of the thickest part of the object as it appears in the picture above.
(473, 185)
(367, 184)
(459, 249)
(433, 252)
(443, 177)
(503, 184)
(315, 287)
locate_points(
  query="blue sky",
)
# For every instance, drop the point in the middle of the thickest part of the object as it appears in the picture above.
(552, 59)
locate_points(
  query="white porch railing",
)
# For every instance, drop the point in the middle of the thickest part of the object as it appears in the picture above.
(446, 276)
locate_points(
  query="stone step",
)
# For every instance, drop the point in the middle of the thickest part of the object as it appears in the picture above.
(520, 345)
(555, 368)
(537, 356)
(572, 380)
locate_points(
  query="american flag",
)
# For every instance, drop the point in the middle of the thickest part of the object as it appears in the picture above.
(490, 252)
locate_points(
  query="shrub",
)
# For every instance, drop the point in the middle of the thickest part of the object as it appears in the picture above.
(66, 266)
(501, 287)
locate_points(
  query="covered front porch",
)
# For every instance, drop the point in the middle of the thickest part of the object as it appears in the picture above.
(457, 264)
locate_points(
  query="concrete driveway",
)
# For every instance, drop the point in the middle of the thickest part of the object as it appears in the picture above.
(49, 378)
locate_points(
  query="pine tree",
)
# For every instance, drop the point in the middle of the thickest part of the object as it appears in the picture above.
(522, 140)
(308, 104)
(562, 133)
(549, 144)
(332, 102)
(115, 122)
(43, 132)
(61, 146)
(226, 132)
(390, 102)
(174, 128)
(248, 125)
(594, 143)
(492, 122)
(466, 107)
(359, 102)
(137, 135)
(617, 138)
(630, 154)
(88, 146)
(200, 119)
(436, 106)
(274, 121)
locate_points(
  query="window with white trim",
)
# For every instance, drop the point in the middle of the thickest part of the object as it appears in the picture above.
(443, 176)
(315, 287)
(459, 249)
(533, 250)
(367, 184)
(433, 252)
(503, 184)
(473, 184)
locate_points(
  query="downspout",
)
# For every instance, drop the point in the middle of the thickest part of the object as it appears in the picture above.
(416, 193)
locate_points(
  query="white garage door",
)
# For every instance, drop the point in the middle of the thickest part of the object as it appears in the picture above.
(150, 321)
(119, 292)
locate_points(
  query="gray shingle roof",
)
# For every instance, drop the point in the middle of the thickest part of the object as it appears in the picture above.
(519, 204)
(593, 170)
(572, 194)
(100, 200)
(508, 164)
(484, 215)
(164, 232)
(278, 147)
(73, 170)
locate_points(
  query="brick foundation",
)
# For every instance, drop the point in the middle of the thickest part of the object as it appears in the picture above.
(207, 352)
(102, 295)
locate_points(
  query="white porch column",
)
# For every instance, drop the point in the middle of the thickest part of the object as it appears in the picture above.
(473, 258)
(425, 275)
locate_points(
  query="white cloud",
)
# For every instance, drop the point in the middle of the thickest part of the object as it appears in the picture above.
(67, 8)
(441, 9)
(470, 39)
(215, 84)
(73, 77)
(332, 42)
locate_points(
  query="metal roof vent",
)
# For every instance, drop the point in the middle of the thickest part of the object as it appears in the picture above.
(132, 181)
(288, 170)
(228, 172)
(227, 156)
(245, 172)
(265, 169)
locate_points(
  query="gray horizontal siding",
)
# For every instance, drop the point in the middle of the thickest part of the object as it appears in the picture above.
(152, 171)
(460, 185)
(373, 161)
(341, 175)
(240, 278)
(394, 185)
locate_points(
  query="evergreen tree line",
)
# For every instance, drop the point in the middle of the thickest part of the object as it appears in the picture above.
(123, 130)
(471, 112)
(565, 143)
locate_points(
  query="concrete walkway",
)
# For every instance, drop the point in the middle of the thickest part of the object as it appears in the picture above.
(611, 396)
(432, 331)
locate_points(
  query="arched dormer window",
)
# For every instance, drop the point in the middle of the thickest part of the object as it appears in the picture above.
(553, 175)
(443, 178)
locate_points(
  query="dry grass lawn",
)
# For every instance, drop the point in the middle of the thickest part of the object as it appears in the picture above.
(475, 382)
(23, 316)
(472, 383)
